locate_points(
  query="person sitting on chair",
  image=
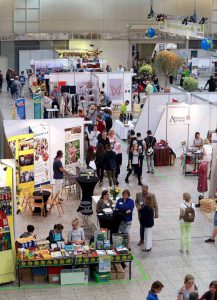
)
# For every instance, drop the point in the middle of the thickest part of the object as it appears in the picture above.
(55, 235)
(76, 235)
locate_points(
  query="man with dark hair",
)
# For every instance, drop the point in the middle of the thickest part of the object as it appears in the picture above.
(150, 141)
(110, 165)
(212, 84)
(29, 232)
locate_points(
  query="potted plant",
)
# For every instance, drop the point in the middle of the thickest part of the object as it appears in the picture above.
(190, 84)
(167, 62)
(146, 70)
(114, 192)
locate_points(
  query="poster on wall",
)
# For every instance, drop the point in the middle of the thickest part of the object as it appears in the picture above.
(20, 109)
(2, 177)
(41, 154)
(116, 89)
(72, 145)
(178, 114)
(37, 98)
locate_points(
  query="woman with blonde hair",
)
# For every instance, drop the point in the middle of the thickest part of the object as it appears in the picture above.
(76, 235)
(186, 217)
(112, 138)
(188, 287)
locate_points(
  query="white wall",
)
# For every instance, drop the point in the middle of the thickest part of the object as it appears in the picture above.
(3, 65)
(114, 52)
(57, 133)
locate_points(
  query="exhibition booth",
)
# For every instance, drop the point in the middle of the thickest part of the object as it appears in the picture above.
(177, 116)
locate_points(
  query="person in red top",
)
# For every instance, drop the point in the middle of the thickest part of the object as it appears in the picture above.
(100, 124)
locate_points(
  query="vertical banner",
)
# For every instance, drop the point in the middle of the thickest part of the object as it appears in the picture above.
(116, 89)
(37, 98)
(41, 154)
(72, 145)
(20, 109)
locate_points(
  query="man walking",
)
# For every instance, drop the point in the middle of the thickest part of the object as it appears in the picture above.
(16, 86)
(110, 165)
(140, 203)
(22, 80)
(150, 141)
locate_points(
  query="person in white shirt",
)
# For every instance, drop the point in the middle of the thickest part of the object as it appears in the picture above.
(207, 154)
(47, 104)
(185, 225)
(120, 69)
(93, 136)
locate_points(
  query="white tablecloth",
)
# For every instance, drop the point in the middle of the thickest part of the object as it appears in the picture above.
(121, 130)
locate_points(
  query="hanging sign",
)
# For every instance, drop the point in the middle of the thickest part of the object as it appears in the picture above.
(37, 98)
(175, 27)
(178, 114)
(20, 109)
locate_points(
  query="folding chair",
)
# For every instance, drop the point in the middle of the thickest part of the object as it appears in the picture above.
(33, 204)
(56, 202)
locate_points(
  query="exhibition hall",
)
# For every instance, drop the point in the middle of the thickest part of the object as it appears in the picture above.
(108, 149)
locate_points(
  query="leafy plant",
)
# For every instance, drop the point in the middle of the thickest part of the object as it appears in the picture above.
(146, 70)
(167, 62)
(190, 84)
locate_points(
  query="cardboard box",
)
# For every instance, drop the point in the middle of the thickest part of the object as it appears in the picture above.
(39, 278)
(54, 278)
(26, 275)
(208, 205)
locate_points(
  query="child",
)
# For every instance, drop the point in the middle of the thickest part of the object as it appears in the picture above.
(155, 289)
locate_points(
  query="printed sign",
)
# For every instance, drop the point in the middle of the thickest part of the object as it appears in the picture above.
(20, 109)
(178, 114)
(37, 105)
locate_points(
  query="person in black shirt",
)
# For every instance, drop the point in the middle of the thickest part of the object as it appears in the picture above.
(29, 232)
(150, 141)
(110, 165)
(212, 84)
(212, 293)
(103, 139)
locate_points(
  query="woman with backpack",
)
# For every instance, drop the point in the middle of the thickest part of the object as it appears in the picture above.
(186, 217)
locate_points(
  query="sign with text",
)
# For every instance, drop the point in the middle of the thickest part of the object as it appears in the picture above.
(176, 27)
(178, 114)
(20, 109)
(37, 98)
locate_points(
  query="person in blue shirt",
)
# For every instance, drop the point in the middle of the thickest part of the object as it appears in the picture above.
(126, 205)
(156, 288)
(56, 235)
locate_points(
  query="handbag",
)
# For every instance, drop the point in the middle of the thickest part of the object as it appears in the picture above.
(92, 165)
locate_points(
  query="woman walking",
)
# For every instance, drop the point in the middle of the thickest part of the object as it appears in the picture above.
(186, 217)
(117, 150)
(134, 163)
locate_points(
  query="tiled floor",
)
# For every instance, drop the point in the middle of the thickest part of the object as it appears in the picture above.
(163, 263)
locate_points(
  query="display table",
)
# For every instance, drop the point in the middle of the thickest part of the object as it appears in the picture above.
(161, 155)
(121, 130)
(87, 187)
(79, 260)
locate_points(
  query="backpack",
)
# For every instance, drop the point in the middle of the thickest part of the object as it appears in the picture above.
(108, 123)
(189, 214)
(150, 149)
(100, 126)
(22, 79)
(112, 163)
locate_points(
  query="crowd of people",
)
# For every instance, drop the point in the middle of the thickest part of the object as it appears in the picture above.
(15, 83)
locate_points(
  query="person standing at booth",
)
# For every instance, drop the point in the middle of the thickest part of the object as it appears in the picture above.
(47, 104)
(212, 84)
(150, 142)
(58, 171)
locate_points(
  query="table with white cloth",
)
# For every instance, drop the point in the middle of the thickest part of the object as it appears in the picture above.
(122, 129)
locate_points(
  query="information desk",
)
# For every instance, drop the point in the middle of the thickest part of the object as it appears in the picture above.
(122, 130)
(162, 155)
(72, 261)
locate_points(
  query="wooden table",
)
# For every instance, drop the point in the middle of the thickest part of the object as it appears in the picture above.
(162, 155)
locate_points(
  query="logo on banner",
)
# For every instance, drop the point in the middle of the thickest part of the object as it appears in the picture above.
(174, 120)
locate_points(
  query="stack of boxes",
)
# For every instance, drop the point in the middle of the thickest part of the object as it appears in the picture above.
(208, 205)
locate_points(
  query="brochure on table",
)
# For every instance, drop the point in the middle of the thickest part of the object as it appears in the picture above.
(7, 244)
(35, 151)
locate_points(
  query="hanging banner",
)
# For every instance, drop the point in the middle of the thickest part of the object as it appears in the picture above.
(72, 145)
(20, 109)
(192, 30)
(41, 154)
(37, 98)
(178, 114)
(116, 89)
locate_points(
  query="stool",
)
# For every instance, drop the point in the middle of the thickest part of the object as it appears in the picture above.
(86, 213)
(84, 205)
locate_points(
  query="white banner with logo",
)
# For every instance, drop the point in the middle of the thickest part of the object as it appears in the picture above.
(193, 30)
(178, 114)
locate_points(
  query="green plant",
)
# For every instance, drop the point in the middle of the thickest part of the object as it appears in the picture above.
(167, 62)
(145, 70)
(190, 84)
